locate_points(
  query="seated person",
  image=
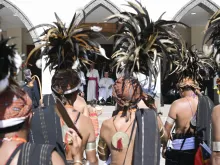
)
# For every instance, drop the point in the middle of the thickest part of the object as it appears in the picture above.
(105, 87)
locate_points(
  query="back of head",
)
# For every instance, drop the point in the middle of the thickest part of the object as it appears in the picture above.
(127, 92)
(65, 82)
(15, 104)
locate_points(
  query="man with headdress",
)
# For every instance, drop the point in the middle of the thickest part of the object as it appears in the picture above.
(15, 117)
(93, 81)
(191, 114)
(105, 87)
(211, 48)
(64, 47)
(133, 135)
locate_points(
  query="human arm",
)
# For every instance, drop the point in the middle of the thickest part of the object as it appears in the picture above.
(101, 83)
(76, 148)
(216, 135)
(103, 150)
(91, 145)
(88, 74)
(169, 124)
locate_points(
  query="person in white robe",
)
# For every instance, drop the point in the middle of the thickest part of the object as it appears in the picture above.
(83, 81)
(93, 80)
(105, 87)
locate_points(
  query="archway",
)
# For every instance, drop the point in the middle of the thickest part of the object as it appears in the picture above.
(94, 4)
(195, 14)
(21, 16)
(207, 5)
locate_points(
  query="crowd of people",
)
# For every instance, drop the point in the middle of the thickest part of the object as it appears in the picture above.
(58, 129)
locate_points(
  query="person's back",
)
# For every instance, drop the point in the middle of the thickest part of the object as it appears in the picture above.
(85, 127)
(183, 111)
(109, 128)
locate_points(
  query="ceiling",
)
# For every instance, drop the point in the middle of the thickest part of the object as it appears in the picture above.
(8, 19)
(199, 19)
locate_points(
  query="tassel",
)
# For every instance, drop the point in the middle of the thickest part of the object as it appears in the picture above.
(119, 144)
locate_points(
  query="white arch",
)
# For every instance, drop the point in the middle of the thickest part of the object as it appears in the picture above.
(21, 16)
(207, 5)
(93, 4)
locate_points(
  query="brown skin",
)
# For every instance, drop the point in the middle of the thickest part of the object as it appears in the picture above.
(107, 131)
(216, 133)
(81, 106)
(7, 148)
(85, 127)
(181, 112)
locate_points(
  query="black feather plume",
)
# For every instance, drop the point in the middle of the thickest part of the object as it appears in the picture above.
(63, 46)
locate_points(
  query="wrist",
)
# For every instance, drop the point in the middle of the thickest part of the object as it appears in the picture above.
(77, 157)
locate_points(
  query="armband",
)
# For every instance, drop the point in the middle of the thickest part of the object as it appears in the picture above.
(103, 150)
(91, 146)
(170, 120)
(215, 146)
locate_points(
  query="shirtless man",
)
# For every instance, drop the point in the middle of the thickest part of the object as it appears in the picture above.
(125, 121)
(81, 106)
(216, 132)
(83, 123)
(182, 111)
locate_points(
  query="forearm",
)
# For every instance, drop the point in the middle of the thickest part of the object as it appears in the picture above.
(215, 158)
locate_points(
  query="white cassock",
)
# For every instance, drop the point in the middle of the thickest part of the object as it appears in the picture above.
(93, 81)
(104, 91)
(83, 81)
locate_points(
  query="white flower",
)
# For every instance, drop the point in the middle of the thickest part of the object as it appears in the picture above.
(96, 28)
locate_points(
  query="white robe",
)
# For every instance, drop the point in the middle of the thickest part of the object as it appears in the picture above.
(91, 89)
(83, 81)
(104, 91)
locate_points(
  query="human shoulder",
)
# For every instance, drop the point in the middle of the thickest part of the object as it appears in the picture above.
(216, 111)
(178, 103)
(107, 123)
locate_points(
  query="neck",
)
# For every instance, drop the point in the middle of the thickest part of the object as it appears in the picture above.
(189, 94)
(20, 134)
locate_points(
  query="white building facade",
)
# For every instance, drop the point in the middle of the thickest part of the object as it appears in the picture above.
(34, 12)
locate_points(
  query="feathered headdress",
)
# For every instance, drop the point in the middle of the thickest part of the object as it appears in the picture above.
(211, 40)
(66, 46)
(10, 62)
(140, 42)
(195, 69)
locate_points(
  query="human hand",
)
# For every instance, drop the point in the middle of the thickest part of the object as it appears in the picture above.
(76, 146)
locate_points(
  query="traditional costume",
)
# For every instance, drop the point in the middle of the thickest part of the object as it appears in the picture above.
(63, 47)
(139, 43)
(105, 88)
(211, 48)
(191, 69)
(92, 88)
(15, 109)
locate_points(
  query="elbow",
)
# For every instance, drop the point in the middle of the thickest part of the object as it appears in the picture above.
(216, 158)
(93, 161)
